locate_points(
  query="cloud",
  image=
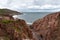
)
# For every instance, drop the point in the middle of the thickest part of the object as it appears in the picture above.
(3, 4)
(34, 7)
(42, 2)
(46, 6)
(30, 4)
(49, 6)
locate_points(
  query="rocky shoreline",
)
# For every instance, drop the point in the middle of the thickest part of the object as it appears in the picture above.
(47, 28)
(14, 29)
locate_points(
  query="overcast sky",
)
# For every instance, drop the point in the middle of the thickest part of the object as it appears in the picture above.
(31, 5)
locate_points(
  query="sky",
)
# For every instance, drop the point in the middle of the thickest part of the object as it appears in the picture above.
(31, 5)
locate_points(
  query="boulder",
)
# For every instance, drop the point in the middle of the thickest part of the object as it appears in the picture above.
(47, 28)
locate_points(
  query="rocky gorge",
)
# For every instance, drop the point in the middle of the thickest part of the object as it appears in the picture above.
(46, 28)
(13, 29)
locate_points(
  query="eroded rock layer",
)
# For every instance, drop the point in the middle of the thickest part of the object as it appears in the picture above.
(48, 28)
(14, 30)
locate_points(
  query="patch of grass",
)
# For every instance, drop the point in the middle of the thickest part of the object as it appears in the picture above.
(2, 11)
(7, 21)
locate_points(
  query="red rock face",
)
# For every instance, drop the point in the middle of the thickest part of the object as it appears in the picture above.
(48, 28)
(14, 30)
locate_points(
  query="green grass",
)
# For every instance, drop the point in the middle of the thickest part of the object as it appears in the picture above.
(7, 21)
(2, 11)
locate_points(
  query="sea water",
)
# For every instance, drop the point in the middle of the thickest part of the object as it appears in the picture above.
(30, 17)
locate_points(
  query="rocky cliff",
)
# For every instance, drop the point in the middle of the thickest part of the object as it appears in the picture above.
(47, 28)
(14, 30)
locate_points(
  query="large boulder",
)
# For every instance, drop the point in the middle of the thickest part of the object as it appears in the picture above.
(47, 28)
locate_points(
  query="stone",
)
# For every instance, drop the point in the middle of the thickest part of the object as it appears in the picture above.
(48, 28)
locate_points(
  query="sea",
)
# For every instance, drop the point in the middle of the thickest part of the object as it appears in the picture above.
(30, 17)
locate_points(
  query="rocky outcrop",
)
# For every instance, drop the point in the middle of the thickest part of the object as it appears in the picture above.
(48, 28)
(14, 30)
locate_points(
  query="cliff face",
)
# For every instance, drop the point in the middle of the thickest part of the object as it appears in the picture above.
(48, 28)
(14, 30)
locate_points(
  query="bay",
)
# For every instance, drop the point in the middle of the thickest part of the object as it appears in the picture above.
(30, 17)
